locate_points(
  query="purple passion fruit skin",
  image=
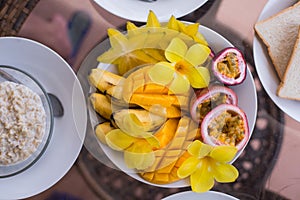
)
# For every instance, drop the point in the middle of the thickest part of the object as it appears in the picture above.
(229, 66)
(225, 125)
(212, 53)
(206, 99)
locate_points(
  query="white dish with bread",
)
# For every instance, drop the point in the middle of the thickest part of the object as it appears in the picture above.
(276, 55)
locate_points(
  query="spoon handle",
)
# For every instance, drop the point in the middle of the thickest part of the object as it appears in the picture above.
(57, 106)
(149, 1)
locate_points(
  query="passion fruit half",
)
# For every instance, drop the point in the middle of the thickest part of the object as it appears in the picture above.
(229, 66)
(225, 125)
(206, 99)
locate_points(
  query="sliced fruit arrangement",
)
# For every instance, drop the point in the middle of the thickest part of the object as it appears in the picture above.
(167, 108)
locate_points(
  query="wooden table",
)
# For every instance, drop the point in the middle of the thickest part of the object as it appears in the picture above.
(13, 14)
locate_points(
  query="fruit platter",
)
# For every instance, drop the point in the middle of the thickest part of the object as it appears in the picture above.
(172, 104)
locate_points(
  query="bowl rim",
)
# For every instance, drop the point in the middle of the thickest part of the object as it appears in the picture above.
(51, 120)
(218, 45)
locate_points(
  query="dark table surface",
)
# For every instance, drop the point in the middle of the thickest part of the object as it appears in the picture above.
(13, 14)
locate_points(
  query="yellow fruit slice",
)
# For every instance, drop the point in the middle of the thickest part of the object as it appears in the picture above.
(184, 135)
(104, 80)
(131, 60)
(137, 122)
(167, 112)
(135, 80)
(180, 84)
(101, 105)
(199, 77)
(167, 174)
(172, 23)
(102, 130)
(197, 54)
(157, 54)
(139, 156)
(176, 50)
(158, 99)
(166, 133)
(152, 20)
(152, 88)
(138, 152)
(140, 83)
(119, 140)
(164, 73)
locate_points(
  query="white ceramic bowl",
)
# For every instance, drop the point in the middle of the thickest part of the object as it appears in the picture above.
(12, 74)
(247, 101)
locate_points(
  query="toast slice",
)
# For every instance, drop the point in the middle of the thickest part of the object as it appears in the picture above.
(289, 86)
(279, 34)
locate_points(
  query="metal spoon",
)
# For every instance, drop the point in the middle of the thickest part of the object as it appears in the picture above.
(58, 109)
(56, 104)
(149, 1)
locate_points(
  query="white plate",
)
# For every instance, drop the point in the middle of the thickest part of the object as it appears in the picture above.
(69, 131)
(210, 195)
(247, 100)
(137, 10)
(265, 68)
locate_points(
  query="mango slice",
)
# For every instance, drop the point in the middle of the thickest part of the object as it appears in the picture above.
(185, 133)
(166, 133)
(167, 174)
(167, 112)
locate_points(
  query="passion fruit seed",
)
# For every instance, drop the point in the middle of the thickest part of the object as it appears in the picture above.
(208, 104)
(225, 125)
(207, 99)
(229, 65)
(227, 128)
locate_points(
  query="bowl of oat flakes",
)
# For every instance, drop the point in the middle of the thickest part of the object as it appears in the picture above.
(26, 121)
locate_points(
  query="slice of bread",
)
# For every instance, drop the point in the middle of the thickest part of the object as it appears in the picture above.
(279, 33)
(289, 87)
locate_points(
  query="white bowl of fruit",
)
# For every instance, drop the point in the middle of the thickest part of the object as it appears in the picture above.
(161, 94)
